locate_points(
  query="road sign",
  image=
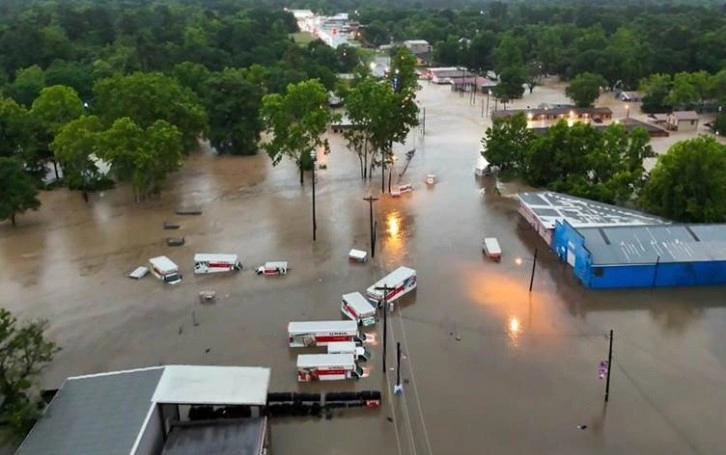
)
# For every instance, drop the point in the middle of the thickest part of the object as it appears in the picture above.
(602, 370)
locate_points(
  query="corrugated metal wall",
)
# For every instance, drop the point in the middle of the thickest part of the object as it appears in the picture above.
(569, 246)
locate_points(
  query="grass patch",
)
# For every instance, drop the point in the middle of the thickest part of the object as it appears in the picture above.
(302, 38)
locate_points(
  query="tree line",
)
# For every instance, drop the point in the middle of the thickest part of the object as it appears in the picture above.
(687, 184)
(136, 85)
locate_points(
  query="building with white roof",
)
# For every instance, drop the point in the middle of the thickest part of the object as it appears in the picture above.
(140, 412)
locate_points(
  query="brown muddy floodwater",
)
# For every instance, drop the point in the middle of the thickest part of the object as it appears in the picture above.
(488, 368)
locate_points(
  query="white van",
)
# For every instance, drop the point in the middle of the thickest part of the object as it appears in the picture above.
(401, 281)
(349, 347)
(164, 269)
(357, 307)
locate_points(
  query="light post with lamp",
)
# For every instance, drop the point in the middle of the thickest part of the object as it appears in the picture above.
(519, 261)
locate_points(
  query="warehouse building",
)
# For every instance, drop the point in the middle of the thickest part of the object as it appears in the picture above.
(643, 256)
(147, 412)
(611, 247)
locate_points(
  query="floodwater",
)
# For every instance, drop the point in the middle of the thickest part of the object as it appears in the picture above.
(487, 366)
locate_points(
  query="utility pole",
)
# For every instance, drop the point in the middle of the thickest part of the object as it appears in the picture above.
(534, 266)
(385, 290)
(610, 362)
(315, 221)
(398, 388)
(370, 199)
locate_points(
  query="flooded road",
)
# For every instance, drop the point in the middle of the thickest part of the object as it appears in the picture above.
(488, 367)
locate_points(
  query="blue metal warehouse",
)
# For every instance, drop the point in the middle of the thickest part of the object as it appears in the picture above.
(643, 256)
(612, 247)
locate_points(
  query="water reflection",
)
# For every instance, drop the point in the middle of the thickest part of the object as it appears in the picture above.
(514, 331)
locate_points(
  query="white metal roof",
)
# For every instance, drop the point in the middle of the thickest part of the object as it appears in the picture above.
(325, 360)
(549, 207)
(360, 304)
(394, 278)
(214, 257)
(322, 326)
(186, 384)
(163, 263)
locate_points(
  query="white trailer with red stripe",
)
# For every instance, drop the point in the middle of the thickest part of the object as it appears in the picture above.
(401, 281)
(356, 307)
(320, 333)
(327, 367)
(212, 263)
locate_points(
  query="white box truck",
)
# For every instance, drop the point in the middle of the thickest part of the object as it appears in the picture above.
(349, 347)
(212, 263)
(357, 307)
(164, 269)
(327, 367)
(401, 281)
(320, 333)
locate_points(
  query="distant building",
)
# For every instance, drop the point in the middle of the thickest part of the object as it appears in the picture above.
(418, 46)
(682, 121)
(148, 411)
(448, 75)
(630, 124)
(596, 114)
(468, 84)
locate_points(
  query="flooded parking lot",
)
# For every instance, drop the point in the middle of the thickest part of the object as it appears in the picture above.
(488, 367)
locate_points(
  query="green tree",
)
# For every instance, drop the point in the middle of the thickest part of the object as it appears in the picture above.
(56, 106)
(296, 122)
(76, 75)
(27, 85)
(75, 147)
(25, 353)
(148, 97)
(584, 89)
(688, 184)
(656, 89)
(509, 53)
(191, 75)
(15, 129)
(683, 92)
(17, 190)
(360, 105)
(233, 103)
(507, 142)
(511, 84)
(142, 157)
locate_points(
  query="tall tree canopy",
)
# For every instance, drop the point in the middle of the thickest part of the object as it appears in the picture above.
(296, 121)
(18, 193)
(688, 183)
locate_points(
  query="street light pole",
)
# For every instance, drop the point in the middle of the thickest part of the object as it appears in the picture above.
(534, 266)
(370, 199)
(385, 290)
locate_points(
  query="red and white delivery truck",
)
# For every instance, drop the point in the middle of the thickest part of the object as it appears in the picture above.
(164, 269)
(320, 333)
(356, 307)
(211, 263)
(401, 281)
(327, 367)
